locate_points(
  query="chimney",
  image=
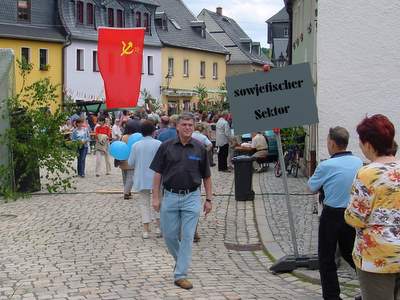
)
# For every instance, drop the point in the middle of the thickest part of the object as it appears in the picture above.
(219, 11)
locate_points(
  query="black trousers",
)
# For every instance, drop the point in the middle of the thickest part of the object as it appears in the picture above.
(223, 157)
(333, 230)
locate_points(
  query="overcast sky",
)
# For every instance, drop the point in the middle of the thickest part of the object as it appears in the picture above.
(249, 14)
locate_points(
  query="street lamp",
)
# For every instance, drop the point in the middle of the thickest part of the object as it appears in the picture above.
(281, 61)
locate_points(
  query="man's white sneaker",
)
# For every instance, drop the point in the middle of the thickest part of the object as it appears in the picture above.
(158, 232)
(145, 235)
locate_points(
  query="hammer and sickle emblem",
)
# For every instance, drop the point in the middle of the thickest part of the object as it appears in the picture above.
(127, 49)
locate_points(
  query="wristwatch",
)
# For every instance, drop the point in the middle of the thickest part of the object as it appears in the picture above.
(208, 200)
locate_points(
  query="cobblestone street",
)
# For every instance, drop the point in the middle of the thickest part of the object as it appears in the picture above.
(87, 244)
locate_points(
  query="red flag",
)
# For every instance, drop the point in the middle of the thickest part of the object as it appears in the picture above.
(120, 53)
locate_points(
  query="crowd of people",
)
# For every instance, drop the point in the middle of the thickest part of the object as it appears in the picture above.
(360, 203)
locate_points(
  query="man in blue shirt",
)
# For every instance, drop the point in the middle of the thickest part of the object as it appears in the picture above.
(170, 133)
(335, 177)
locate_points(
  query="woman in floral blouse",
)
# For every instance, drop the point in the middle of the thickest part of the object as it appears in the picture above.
(374, 211)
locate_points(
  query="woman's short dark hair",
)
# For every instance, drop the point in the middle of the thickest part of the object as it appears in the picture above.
(379, 132)
(147, 128)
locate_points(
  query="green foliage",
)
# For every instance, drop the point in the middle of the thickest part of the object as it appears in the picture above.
(215, 105)
(293, 136)
(35, 141)
(153, 103)
(266, 52)
(202, 94)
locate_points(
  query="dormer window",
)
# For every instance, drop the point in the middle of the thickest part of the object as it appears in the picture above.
(146, 21)
(79, 12)
(286, 32)
(24, 10)
(110, 13)
(89, 14)
(161, 20)
(138, 18)
(120, 18)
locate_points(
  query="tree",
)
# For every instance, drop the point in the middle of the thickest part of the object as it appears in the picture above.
(153, 103)
(35, 140)
(266, 52)
(202, 95)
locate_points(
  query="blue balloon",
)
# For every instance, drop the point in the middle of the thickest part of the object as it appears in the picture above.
(136, 137)
(119, 150)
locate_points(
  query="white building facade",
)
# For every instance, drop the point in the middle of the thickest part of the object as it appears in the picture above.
(358, 65)
(84, 82)
(81, 18)
(353, 53)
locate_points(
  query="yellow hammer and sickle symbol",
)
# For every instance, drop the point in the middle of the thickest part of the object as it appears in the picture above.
(127, 49)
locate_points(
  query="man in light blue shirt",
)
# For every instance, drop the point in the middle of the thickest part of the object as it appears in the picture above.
(140, 158)
(335, 177)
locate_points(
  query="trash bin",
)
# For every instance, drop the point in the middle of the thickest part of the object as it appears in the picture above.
(243, 166)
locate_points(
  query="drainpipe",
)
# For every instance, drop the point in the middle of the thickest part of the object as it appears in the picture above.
(67, 43)
(289, 9)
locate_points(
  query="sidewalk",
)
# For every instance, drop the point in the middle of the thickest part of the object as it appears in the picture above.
(273, 224)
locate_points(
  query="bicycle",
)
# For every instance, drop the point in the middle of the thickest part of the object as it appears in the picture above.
(292, 162)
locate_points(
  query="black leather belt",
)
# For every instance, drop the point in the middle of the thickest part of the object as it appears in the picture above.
(333, 208)
(179, 191)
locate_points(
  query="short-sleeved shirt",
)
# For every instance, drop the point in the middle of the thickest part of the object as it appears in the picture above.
(374, 210)
(336, 176)
(259, 142)
(201, 138)
(181, 166)
(167, 134)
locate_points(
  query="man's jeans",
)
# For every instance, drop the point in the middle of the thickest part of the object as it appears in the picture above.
(179, 216)
(82, 152)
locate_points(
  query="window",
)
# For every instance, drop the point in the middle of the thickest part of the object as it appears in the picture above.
(89, 14)
(79, 60)
(175, 23)
(186, 68)
(110, 17)
(215, 70)
(43, 59)
(285, 32)
(170, 66)
(138, 17)
(23, 10)
(146, 20)
(120, 18)
(25, 55)
(186, 105)
(95, 64)
(150, 65)
(202, 69)
(79, 12)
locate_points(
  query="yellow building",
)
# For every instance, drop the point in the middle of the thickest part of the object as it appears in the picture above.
(190, 57)
(50, 54)
(184, 70)
(30, 30)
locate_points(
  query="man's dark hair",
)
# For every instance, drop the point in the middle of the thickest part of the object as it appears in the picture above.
(340, 136)
(147, 128)
(101, 119)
